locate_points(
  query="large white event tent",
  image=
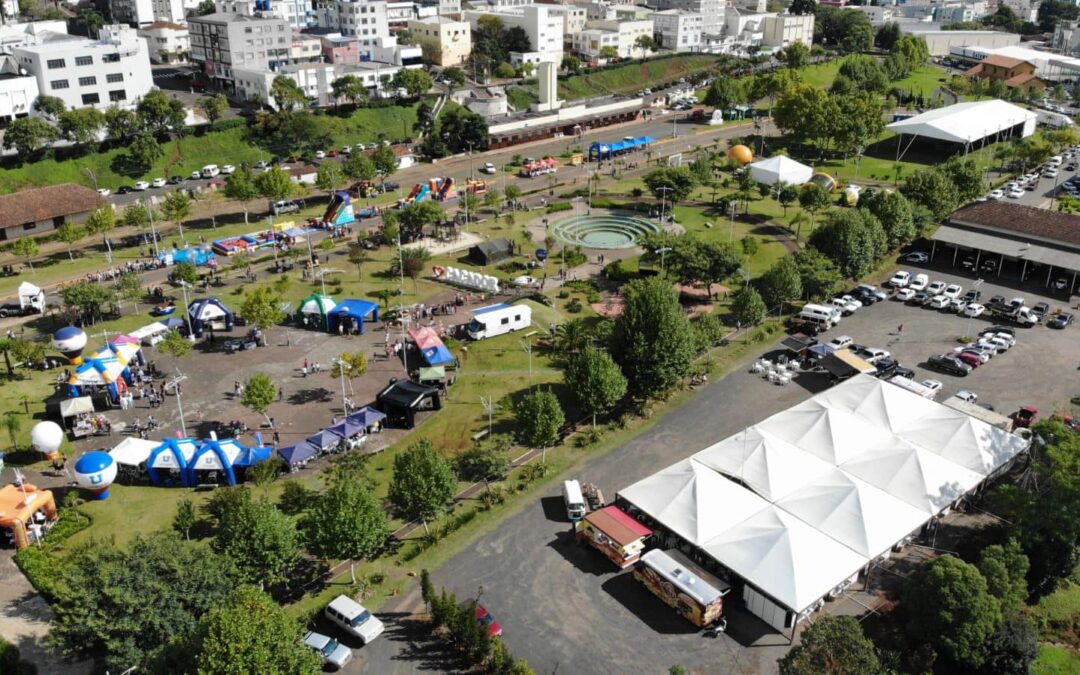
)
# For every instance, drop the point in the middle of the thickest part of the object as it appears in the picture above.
(798, 505)
(780, 169)
(969, 122)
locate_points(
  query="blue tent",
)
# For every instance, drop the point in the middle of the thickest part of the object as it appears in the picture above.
(215, 455)
(367, 417)
(172, 457)
(249, 457)
(195, 256)
(599, 151)
(350, 311)
(298, 454)
(325, 439)
(208, 313)
(348, 428)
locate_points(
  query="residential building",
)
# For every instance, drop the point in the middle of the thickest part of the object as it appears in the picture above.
(364, 19)
(574, 18)
(18, 91)
(140, 13)
(590, 42)
(114, 69)
(677, 30)
(1067, 37)
(388, 51)
(167, 42)
(315, 79)
(1015, 73)
(711, 11)
(45, 209)
(221, 42)
(543, 27)
(781, 30)
(297, 13)
(23, 34)
(626, 35)
(305, 48)
(449, 7)
(743, 28)
(878, 15)
(336, 48)
(444, 41)
(1025, 10)
(399, 14)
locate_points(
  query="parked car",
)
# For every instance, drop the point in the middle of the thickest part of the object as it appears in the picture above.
(952, 291)
(939, 302)
(870, 354)
(176, 180)
(847, 307)
(971, 358)
(104, 192)
(947, 363)
(974, 310)
(141, 186)
(1061, 320)
(982, 353)
(922, 298)
(390, 186)
(333, 652)
(841, 341)
(972, 296)
(905, 294)
(899, 280)
(958, 305)
(228, 169)
(932, 385)
(936, 288)
(320, 154)
(873, 290)
(996, 194)
(966, 395)
(864, 296)
(158, 183)
(488, 168)
(1026, 416)
(351, 617)
(487, 620)
(1015, 193)
(917, 257)
(919, 282)
(195, 175)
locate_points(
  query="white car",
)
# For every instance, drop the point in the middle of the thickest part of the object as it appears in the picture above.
(846, 308)
(965, 395)
(957, 305)
(1015, 194)
(195, 175)
(919, 282)
(985, 353)
(974, 310)
(996, 194)
(158, 183)
(488, 168)
(899, 280)
(1000, 344)
(905, 294)
(350, 616)
(104, 192)
(953, 291)
(228, 169)
(332, 652)
(873, 354)
(142, 185)
(1005, 337)
(841, 341)
(346, 150)
(359, 147)
(932, 385)
(526, 280)
(320, 154)
(936, 288)
(851, 300)
(939, 302)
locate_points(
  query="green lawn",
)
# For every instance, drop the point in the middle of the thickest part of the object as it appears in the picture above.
(1056, 661)
(520, 98)
(821, 74)
(635, 76)
(924, 80)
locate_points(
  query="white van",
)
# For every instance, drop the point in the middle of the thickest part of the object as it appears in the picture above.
(350, 616)
(498, 319)
(919, 283)
(210, 170)
(824, 316)
(574, 500)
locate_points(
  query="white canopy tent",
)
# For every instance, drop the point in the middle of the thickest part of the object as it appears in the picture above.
(780, 169)
(76, 406)
(770, 466)
(133, 451)
(968, 122)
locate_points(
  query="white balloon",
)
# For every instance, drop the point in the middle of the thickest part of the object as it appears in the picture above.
(46, 437)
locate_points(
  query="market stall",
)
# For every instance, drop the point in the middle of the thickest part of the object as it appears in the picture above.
(131, 456)
(27, 513)
(297, 456)
(369, 418)
(210, 314)
(614, 533)
(350, 315)
(325, 440)
(402, 399)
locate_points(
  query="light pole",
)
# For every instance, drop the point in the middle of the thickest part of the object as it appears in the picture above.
(967, 331)
(527, 347)
(92, 175)
(489, 406)
(153, 231)
(341, 373)
(401, 304)
(175, 384)
(731, 232)
(662, 251)
(187, 312)
(663, 190)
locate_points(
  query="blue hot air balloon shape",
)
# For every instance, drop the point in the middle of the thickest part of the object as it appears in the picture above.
(95, 472)
(70, 342)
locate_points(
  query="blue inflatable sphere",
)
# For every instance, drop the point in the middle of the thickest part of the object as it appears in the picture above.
(95, 472)
(70, 342)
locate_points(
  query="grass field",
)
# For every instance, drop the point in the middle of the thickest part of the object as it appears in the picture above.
(520, 98)
(925, 79)
(1056, 661)
(634, 77)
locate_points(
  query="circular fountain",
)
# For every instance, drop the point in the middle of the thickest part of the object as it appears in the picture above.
(603, 230)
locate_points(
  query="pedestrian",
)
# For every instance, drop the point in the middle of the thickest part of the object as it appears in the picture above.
(277, 438)
(303, 370)
(280, 394)
(305, 364)
(900, 329)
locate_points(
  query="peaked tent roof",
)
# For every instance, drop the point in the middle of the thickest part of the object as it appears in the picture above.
(962, 439)
(367, 416)
(317, 304)
(780, 169)
(431, 346)
(964, 122)
(769, 465)
(925, 480)
(295, 454)
(133, 451)
(208, 309)
(355, 307)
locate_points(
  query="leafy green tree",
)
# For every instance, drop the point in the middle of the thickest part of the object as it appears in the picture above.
(185, 518)
(275, 183)
(144, 150)
(894, 213)
(862, 122)
(725, 93)
(349, 523)
(571, 64)
(487, 460)
(360, 167)
(966, 175)
(414, 81)
(748, 307)
(28, 134)
(160, 113)
(423, 483)
(250, 633)
(781, 283)
(807, 113)
(456, 75)
(259, 392)
(82, 125)
(89, 299)
(241, 187)
(787, 195)
(609, 53)
(932, 188)
(819, 277)
(462, 130)
(12, 423)
(358, 256)
(834, 645)
(121, 123)
(287, 94)
(214, 107)
(26, 247)
(802, 6)
(70, 234)
(350, 88)
(1013, 647)
(101, 220)
(859, 38)
(385, 160)
(258, 538)
(186, 272)
(853, 239)
(947, 604)
(103, 596)
(652, 340)
(913, 49)
(505, 71)
(1005, 568)
(330, 176)
(177, 208)
(646, 43)
(539, 418)
(175, 345)
(673, 184)
(425, 119)
(50, 106)
(795, 55)
(596, 381)
(887, 35)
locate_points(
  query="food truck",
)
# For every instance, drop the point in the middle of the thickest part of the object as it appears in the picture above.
(694, 593)
(614, 533)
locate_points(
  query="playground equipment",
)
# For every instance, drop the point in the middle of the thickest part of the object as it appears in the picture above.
(824, 181)
(443, 188)
(539, 167)
(851, 195)
(364, 189)
(741, 154)
(475, 186)
(420, 192)
(339, 212)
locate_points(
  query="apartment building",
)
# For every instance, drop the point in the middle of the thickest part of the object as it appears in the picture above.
(445, 42)
(677, 30)
(626, 33)
(574, 18)
(297, 13)
(781, 30)
(140, 13)
(544, 27)
(167, 42)
(711, 11)
(18, 91)
(879, 16)
(361, 19)
(336, 48)
(305, 48)
(399, 14)
(223, 42)
(112, 70)
(315, 79)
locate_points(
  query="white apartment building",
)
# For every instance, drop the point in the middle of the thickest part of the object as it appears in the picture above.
(315, 79)
(449, 7)
(297, 13)
(363, 19)
(678, 30)
(145, 12)
(879, 16)
(622, 35)
(711, 11)
(742, 28)
(305, 48)
(574, 19)
(18, 91)
(1026, 10)
(446, 42)
(112, 70)
(781, 30)
(544, 28)
(22, 34)
(222, 42)
(167, 42)
(399, 14)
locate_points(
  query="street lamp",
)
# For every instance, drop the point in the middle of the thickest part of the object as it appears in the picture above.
(153, 231)
(663, 190)
(187, 312)
(662, 251)
(967, 331)
(175, 384)
(526, 345)
(341, 373)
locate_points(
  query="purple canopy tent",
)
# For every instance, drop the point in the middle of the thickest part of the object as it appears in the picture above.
(295, 455)
(348, 428)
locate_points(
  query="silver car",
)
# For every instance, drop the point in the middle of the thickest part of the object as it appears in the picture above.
(332, 651)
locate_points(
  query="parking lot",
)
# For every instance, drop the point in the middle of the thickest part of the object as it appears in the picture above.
(1040, 189)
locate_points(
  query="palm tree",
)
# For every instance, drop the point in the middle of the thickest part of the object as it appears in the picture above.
(72, 502)
(13, 425)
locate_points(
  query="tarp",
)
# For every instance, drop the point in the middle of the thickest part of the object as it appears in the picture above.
(780, 169)
(354, 309)
(431, 346)
(76, 406)
(966, 122)
(347, 429)
(149, 330)
(133, 451)
(297, 454)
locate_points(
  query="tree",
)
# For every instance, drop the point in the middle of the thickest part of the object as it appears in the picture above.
(360, 167)
(1013, 647)
(250, 633)
(966, 176)
(82, 125)
(539, 418)
(177, 208)
(358, 256)
(425, 119)
(646, 43)
(287, 95)
(26, 247)
(175, 345)
(349, 87)
(652, 341)
(89, 299)
(725, 93)
(275, 183)
(487, 460)
(258, 538)
(596, 381)
(887, 36)
(423, 482)
(241, 187)
(415, 217)
(894, 213)
(70, 233)
(933, 189)
(505, 71)
(859, 38)
(947, 604)
(186, 272)
(808, 113)
(50, 106)
(853, 239)
(1005, 568)
(748, 307)
(103, 596)
(414, 81)
(813, 198)
(796, 55)
(121, 123)
(185, 518)
(259, 392)
(349, 524)
(456, 75)
(802, 6)
(673, 184)
(160, 114)
(862, 122)
(101, 220)
(819, 277)
(12, 423)
(462, 130)
(214, 107)
(330, 176)
(787, 195)
(27, 135)
(571, 64)
(913, 49)
(143, 151)
(609, 53)
(780, 283)
(350, 365)
(833, 645)
(385, 160)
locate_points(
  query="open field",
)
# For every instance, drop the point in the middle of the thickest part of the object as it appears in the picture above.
(634, 76)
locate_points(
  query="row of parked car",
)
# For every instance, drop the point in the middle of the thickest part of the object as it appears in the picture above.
(992, 341)
(1030, 181)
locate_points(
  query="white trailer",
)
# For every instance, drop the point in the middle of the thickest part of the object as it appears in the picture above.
(498, 319)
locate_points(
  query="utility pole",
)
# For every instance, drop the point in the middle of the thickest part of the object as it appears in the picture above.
(663, 190)
(662, 251)
(489, 406)
(153, 232)
(527, 347)
(341, 373)
(187, 312)
(175, 384)
(401, 304)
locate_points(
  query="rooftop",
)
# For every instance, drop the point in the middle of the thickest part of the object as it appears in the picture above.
(1002, 61)
(45, 203)
(164, 25)
(1018, 219)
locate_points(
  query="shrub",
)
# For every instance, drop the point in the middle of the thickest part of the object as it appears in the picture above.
(559, 206)
(574, 306)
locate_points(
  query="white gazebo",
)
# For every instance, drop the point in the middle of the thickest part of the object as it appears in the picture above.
(780, 169)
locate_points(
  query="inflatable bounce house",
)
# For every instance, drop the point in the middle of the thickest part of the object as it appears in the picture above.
(475, 186)
(443, 189)
(210, 314)
(107, 369)
(314, 312)
(339, 213)
(20, 507)
(420, 192)
(168, 463)
(824, 181)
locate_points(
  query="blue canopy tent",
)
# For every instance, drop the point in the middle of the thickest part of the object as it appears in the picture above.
(352, 312)
(173, 322)
(367, 417)
(431, 346)
(347, 429)
(214, 458)
(599, 151)
(296, 455)
(249, 457)
(325, 440)
(822, 349)
(171, 457)
(210, 314)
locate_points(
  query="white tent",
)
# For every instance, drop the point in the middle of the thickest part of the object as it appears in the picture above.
(149, 330)
(693, 500)
(769, 465)
(828, 433)
(133, 451)
(963, 440)
(76, 406)
(968, 122)
(780, 169)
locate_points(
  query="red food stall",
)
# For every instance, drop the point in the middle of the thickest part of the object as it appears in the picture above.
(614, 533)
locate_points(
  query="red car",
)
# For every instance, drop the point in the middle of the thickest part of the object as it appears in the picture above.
(972, 360)
(1026, 416)
(486, 618)
(333, 153)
